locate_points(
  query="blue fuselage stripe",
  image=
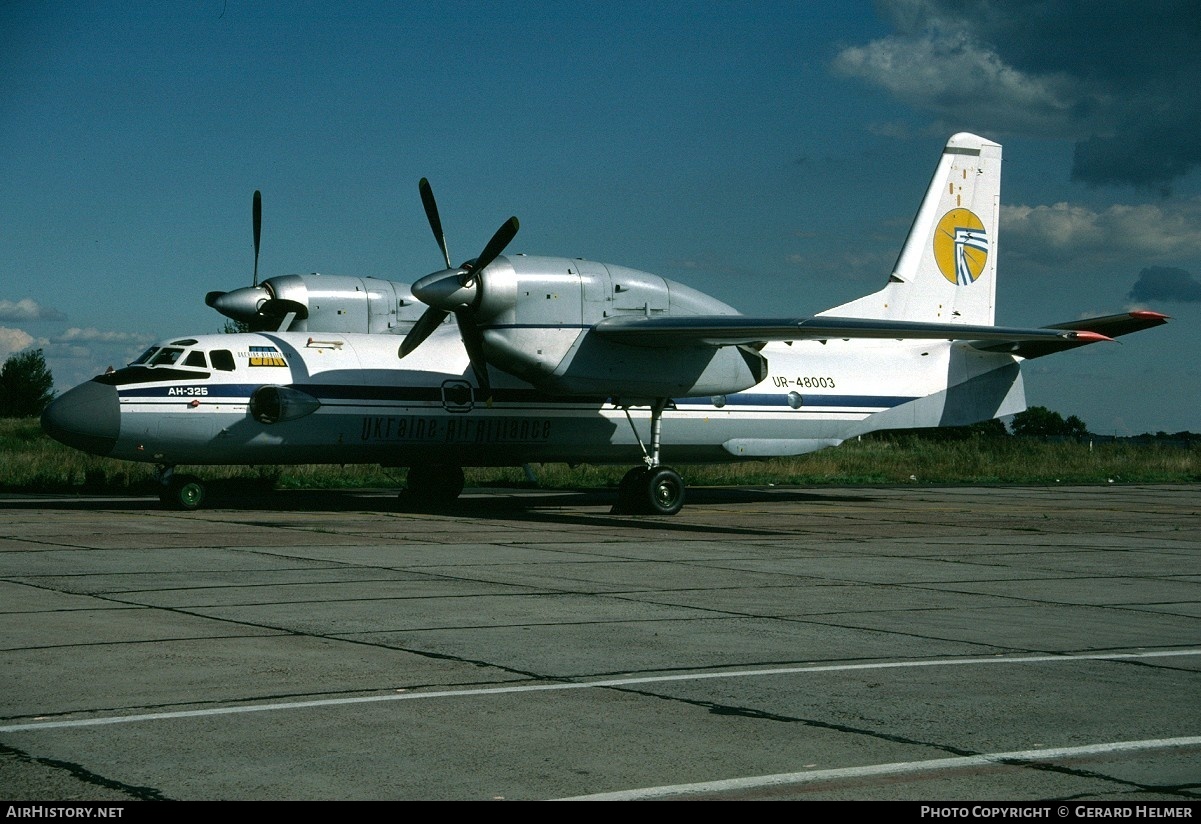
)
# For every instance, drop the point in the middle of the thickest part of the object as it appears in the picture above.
(338, 394)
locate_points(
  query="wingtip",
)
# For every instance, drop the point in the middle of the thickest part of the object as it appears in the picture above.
(1147, 314)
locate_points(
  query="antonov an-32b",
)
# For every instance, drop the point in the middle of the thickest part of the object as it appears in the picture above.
(567, 360)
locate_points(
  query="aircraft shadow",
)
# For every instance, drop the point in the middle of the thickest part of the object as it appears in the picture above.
(493, 503)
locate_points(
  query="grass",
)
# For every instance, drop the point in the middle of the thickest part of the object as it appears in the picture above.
(32, 462)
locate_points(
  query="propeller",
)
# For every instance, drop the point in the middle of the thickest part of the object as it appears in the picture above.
(245, 304)
(455, 290)
(256, 217)
(431, 214)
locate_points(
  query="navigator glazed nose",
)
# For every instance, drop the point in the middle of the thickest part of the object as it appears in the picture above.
(87, 417)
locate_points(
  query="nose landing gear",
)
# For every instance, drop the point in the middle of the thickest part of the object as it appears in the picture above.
(182, 492)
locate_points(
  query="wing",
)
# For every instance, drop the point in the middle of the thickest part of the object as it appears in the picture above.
(732, 330)
(1109, 326)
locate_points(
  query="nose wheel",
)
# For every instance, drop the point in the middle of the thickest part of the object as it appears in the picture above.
(185, 492)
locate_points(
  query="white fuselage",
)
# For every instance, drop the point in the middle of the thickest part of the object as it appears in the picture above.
(371, 407)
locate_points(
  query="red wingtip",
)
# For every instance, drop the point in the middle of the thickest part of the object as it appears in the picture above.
(1147, 314)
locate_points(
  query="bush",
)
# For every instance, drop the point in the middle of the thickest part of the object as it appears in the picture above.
(26, 385)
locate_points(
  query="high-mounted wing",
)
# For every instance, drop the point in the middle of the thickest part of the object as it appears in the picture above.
(1111, 326)
(731, 330)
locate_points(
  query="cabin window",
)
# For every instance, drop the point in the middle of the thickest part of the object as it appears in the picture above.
(196, 358)
(222, 359)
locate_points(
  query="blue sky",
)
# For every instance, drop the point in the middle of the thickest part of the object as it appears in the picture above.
(770, 153)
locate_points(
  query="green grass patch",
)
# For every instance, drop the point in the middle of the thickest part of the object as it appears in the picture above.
(32, 462)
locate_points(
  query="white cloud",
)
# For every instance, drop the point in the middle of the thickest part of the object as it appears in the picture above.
(26, 310)
(964, 81)
(1153, 231)
(1120, 81)
(93, 335)
(13, 341)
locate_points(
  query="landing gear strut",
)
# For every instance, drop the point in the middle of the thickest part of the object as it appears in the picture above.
(184, 492)
(653, 489)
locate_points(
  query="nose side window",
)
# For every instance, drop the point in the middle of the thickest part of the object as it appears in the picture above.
(222, 359)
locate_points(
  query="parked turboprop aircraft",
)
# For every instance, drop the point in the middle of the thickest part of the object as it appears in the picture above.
(558, 359)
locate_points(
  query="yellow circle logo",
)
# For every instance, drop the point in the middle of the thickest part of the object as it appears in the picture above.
(960, 246)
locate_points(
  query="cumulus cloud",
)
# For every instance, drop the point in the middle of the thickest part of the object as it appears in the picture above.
(1118, 78)
(26, 310)
(963, 80)
(1166, 283)
(1060, 232)
(13, 341)
(93, 335)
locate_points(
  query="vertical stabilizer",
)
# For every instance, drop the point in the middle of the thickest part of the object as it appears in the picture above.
(947, 269)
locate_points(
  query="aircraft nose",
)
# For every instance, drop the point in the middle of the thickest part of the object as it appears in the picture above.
(87, 417)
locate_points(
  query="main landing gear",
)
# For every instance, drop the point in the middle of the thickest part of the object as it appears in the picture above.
(184, 492)
(653, 489)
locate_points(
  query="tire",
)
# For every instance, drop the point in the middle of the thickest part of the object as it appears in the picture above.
(663, 491)
(185, 492)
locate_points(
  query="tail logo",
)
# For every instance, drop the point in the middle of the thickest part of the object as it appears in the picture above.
(960, 246)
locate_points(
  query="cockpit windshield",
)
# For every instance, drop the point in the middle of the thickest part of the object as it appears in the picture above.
(161, 363)
(145, 356)
(166, 356)
(175, 362)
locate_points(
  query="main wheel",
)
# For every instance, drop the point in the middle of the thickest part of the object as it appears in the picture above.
(184, 492)
(663, 489)
(434, 486)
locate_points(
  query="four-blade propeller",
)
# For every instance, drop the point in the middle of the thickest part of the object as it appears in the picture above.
(455, 290)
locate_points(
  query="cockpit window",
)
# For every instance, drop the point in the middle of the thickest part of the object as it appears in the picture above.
(162, 364)
(145, 356)
(144, 374)
(166, 356)
(222, 359)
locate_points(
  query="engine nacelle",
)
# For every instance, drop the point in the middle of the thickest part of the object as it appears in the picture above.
(274, 404)
(535, 313)
(322, 303)
(339, 303)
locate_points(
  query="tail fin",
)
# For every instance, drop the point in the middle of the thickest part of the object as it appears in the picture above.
(947, 269)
